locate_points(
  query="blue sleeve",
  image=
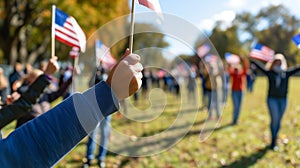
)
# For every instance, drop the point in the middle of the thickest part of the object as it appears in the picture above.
(46, 139)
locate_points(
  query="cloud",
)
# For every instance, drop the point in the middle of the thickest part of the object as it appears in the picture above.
(226, 17)
(237, 3)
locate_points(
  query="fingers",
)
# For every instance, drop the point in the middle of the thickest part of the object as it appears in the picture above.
(138, 67)
(132, 59)
(126, 77)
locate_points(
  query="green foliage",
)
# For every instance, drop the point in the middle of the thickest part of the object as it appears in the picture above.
(151, 43)
(25, 26)
(273, 26)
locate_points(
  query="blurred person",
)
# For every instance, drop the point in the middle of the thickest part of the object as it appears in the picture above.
(45, 140)
(145, 83)
(4, 87)
(191, 85)
(203, 79)
(65, 75)
(18, 105)
(251, 77)
(46, 98)
(238, 74)
(278, 78)
(211, 75)
(16, 74)
(104, 127)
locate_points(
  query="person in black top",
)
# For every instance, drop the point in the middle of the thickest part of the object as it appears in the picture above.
(278, 77)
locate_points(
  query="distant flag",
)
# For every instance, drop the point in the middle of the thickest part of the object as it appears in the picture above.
(203, 50)
(296, 39)
(67, 30)
(74, 52)
(103, 54)
(232, 58)
(211, 58)
(151, 4)
(262, 53)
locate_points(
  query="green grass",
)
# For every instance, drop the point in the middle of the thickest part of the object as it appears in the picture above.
(243, 145)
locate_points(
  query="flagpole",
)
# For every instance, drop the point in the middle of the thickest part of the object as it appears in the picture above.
(74, 73)
(53, 32)
(131, 26)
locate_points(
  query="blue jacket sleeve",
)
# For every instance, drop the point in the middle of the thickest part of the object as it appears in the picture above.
(46, 139)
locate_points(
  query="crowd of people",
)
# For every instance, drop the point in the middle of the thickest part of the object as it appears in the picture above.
(27, 93)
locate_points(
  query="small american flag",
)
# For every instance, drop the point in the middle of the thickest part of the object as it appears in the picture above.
(232, 58)
(203, 50)
(67, 30)
(103, 54)
(262, 53)
(151, 4)
(296, 40)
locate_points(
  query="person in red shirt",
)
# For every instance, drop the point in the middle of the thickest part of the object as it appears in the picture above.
(238, 75)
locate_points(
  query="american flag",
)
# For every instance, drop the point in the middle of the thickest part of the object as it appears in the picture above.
(262, 53)
(296, 39)
(203, 50)
(74, 52)
(211, 58)
(232, 58)
(151, 4)
(67, 30)
(103, 54)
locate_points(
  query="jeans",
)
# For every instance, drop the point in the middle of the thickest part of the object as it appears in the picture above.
(104, 137)
(237, 97)
(213, 103)
(277, 108)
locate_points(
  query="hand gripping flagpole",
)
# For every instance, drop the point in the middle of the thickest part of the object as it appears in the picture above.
(53, 32)
(131, 26)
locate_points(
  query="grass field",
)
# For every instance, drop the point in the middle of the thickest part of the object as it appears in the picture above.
(244, 145)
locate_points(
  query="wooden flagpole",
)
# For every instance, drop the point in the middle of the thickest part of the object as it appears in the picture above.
(53, 32)
(131, 26)
(74, 73)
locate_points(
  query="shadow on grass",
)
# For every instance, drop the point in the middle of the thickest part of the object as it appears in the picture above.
(209, 129)
(248, 161)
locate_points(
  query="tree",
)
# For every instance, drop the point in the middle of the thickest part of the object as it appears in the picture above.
(151, 42)
(25, 25)
(273, 26)
(226, 40)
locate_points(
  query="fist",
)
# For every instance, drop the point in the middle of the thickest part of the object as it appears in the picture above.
(52, 66)
(126, 76)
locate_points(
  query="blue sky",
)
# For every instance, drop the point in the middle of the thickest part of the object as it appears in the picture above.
(204, 13)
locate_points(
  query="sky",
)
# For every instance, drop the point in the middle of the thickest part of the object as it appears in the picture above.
(204, 13)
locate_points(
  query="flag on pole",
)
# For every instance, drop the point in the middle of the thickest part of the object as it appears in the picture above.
(262, 53)
(151, 4)
(203, 50)
(68, 31)
(296, 40)
(103, 54)
(75, 51)
(232, 58)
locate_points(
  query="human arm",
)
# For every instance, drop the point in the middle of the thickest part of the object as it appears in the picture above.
(259, 66)
(46, 139)
(292, 71)
(61, 90)
(22, 105)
